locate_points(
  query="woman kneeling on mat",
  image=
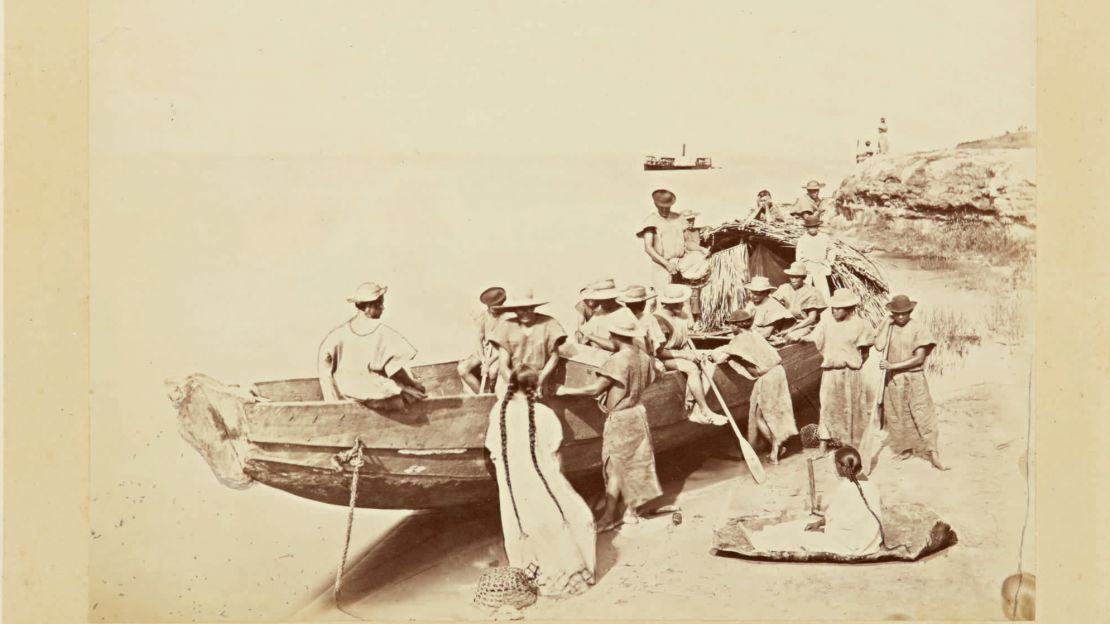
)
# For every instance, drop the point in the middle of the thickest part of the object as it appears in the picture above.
(851, 524)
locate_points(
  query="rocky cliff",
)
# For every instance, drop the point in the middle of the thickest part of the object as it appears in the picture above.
(984, 184)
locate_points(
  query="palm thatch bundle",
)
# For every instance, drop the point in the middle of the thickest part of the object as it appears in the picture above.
(730, 246)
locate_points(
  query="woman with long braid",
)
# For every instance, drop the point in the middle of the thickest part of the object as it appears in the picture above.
(852, 522)
(548, 529)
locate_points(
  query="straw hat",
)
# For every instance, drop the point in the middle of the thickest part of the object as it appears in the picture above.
(797, 269)
(812, 220)
(635, 294)
(602, 294)
(600, 284)
(628, 329)
(663, 198)
(843, 298)
(492, 296)
(760, 284)
(690, 214)
(526, 301)
(675, 293)
(740, 316)
(901, 303)
(368, 292)
(813, 185)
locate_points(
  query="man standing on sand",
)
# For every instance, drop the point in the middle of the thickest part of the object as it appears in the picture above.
(664, 235)
(884, 144)
(811, 202)
(365, 359)
(628, 459)
(815, 250)
(908, 411)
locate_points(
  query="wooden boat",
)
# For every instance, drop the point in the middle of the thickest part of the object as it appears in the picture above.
(431, 455)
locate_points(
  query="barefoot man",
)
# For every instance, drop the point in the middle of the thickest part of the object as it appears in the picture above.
(843, 339)
(908, 410)
(770, 411)
(366, 360)
(677, 354)
(628, 458)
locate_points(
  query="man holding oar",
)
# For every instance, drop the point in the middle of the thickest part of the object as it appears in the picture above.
(908, 410)
(770, 410)
(484, 360)
(676, 354)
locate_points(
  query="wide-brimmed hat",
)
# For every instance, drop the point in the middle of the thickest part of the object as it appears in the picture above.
(740, 316)
(797, 269)
(494, 296)
(527, 300)
(365, 293)
(760, 284)
(663, 197)
(600, 284)
(843, 298)
(763, 193)
(813, 185)
(811, 220)
(675, 293)
(627, 328)
(901, 303)
(601, 294)
(690, 214)
(635, 294)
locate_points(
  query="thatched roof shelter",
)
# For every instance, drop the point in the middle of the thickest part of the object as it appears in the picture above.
(740, 250)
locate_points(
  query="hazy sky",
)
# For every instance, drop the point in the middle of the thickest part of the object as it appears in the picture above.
(276, 77)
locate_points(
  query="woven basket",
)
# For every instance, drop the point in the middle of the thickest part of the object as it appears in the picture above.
(501, 587)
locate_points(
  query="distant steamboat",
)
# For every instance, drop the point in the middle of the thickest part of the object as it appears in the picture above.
(668, 163)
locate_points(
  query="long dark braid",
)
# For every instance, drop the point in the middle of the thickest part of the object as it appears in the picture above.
(530, 394)
(849, 459)
(505, 452)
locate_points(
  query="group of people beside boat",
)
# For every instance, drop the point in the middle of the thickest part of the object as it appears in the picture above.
(549, 530)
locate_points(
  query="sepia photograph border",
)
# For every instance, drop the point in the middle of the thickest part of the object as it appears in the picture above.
(46, 311)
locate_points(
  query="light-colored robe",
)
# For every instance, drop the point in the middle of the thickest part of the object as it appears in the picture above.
(362, 364)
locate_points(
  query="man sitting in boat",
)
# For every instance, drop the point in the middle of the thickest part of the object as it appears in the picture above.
(678, 354)
(628, 458)
(771, 318)
(802, 300)
(365, 359)
(607, 312)
(482, 364)
(766, 210)
(811, 202)
(526, 337)
(586, 307)
(635, 299)
(815, 249)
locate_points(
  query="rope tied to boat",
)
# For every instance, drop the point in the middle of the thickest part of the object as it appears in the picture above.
(354, 458)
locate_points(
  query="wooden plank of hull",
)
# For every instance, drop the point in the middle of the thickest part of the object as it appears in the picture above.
(394, 481)
(432, 455)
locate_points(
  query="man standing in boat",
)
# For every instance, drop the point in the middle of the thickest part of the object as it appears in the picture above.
(664, 235)
(526, 337)
(366, 360)
(484, 360)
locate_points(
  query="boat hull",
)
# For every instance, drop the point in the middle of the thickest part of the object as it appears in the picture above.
(432, 455)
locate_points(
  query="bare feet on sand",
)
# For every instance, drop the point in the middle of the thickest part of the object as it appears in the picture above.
(934, 458)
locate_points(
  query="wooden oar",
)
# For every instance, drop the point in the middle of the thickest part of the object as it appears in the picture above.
(869, 446)
(750, 458)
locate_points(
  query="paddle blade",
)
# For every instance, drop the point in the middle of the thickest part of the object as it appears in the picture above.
(752, 460)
